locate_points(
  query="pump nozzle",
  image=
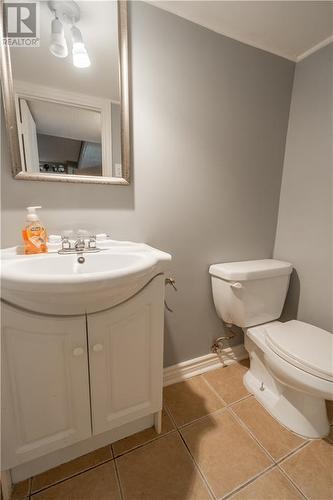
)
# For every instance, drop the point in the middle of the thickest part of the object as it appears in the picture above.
(31, 215)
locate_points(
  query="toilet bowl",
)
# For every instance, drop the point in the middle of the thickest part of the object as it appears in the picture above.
(291, 363)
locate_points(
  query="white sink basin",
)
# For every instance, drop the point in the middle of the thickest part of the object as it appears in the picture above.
(59, 284)
(66, 268)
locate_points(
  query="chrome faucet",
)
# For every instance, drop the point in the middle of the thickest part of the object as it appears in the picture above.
(79, 245)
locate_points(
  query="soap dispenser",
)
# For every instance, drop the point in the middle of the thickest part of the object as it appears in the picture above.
(34, 233)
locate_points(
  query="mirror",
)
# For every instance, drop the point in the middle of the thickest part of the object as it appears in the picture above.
(65, 89)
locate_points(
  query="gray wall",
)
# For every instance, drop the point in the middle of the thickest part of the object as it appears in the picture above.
(209, 125)
(304, 232)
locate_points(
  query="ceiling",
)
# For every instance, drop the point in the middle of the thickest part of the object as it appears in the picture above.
(66, 121)
(291, 29)
(99, 26)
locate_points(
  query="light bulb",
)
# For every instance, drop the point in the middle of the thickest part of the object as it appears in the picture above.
(58, 45)
(80, 54)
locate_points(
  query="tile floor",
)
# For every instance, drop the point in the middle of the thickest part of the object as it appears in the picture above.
(217, 442)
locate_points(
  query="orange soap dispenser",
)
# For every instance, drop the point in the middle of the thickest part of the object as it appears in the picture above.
(34, 233)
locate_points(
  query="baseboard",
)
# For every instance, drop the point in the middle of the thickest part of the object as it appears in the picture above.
(187, 369)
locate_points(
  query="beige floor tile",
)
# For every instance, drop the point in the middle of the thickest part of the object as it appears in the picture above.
(142, 437)
(190, 400)
(228, 381)
(161, 470)
(277, 440)
(96, 484)
(271, 486)
(21, 490)
(312, 470)
(225, 452)
(329, 407)
(71, 468)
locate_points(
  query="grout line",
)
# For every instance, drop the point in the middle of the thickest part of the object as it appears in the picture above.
(253, 478)
(275, 460)
(168, 411)
(214, 391)
(69, 477)
(227, 405)
(192, 422)
(292, 452)
(246, 429)
(159, 436)
(122, 495)
(249, 481)
(248, 396)
(197, 467)
(284, 473)
(212, 413)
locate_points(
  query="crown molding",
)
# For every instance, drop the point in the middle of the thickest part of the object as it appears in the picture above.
(315, 48)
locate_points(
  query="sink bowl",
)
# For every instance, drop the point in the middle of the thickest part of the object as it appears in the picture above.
(66, 268)
(58, 284)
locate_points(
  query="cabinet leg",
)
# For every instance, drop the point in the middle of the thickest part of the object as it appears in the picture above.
(6, 485)
(158, 422)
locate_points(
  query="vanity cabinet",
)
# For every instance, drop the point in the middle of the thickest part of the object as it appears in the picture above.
(66, 379)
(125, 351)
(45, 385)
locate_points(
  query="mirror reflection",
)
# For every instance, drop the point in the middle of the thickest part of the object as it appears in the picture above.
(67, 92)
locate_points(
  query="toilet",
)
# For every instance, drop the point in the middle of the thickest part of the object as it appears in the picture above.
(291, 363)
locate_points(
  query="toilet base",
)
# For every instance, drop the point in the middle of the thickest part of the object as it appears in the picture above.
(286, 409)
(300, 412)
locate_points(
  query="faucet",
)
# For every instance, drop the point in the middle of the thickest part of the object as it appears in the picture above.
(79, 245)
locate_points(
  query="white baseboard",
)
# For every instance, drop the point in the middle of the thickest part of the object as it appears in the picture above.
(187, 369)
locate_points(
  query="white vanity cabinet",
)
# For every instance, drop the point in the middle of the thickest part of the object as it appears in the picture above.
(125, 351)
(45, 385)
(66, 379)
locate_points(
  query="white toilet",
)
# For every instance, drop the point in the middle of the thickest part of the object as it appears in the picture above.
(291, 364)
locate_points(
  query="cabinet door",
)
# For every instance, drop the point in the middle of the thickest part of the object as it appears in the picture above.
(126, 365)
(45, 387)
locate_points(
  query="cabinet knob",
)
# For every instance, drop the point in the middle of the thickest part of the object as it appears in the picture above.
(97, 348)
(78, 351)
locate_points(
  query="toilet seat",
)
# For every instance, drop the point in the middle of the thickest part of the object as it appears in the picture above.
(304, 346)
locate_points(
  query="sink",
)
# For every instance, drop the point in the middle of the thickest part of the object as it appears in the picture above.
(66, 268)
(58, 284)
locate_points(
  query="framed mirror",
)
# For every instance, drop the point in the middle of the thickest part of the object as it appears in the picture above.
(65, 70)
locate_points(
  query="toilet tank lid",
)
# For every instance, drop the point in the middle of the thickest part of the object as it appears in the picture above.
(250, 269)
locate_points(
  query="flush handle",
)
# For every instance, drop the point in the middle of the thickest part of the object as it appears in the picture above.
(78, 351)
(236, 285)
(97, 348)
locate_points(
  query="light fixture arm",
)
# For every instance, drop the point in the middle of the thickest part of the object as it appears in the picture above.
(76, 34)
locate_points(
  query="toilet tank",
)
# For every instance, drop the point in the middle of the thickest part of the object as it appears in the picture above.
(251, 292)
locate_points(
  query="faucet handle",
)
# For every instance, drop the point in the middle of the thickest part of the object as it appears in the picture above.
(65, 243)
(92, 241)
